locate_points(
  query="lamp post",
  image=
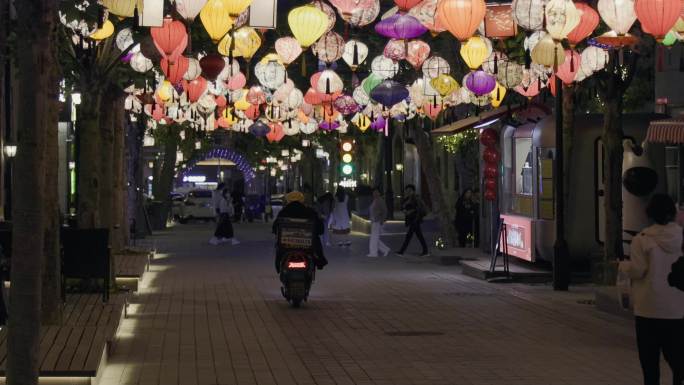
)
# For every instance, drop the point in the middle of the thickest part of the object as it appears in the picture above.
(561, 257)
(10, 151)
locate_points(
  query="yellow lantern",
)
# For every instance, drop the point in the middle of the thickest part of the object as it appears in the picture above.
(247, 42)
(236, 7)
(228, 116)
(216, 18)
(474, 52)
(165, 91)
(548, 53)
(444, 84)
(106, 31)
(242, 104)
(497, 95)
(224, 46)
(307, 24)
(121, 8)
(361, 121)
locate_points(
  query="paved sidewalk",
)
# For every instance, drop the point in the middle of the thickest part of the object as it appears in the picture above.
(213, 315)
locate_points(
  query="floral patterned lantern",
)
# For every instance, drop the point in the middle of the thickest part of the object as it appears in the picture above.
(474, 51)
(347, 7)
(171, 38)
(588, 23)
(360, 96)
(329, 47)
(657, 17)
(270, 73)
(417, 52)
(568, 70)
(529, 14)
(256, 95)
(361, 17)
(435, 66)
(189, 9)
(384, 67)
(461, 17)
(426, 13)
(618, 14)
(288, 48)
(140, 63)
(307, 24)
(561, 18)
(499, 22)
(510, 74)
(346, 105)
(395, 49)
(479, 82)
(329, 11)
(355, 53)
(400, 26)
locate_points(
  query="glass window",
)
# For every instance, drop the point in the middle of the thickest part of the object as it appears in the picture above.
(523, 166)
(672, 172)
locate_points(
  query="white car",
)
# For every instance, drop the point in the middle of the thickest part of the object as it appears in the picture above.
(198, 204)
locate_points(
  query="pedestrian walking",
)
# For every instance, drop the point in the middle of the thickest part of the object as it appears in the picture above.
(466, 220)
(326, 202)
(378, 216)
(238, 202)
(216, 199)
(224, 228)
(658, 307)
(340, 217)
(414, 211)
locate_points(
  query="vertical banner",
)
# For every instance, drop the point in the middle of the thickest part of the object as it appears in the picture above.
(263, 14)
(152, 14)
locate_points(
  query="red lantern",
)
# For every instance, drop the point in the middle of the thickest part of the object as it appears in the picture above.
(587, 24)
(490, 195)
(657, 17)
(405, 5)
(490, 184)
(491, 171)
(195, 88)
(312, 97)
(276, 134)
(253, 112)
(212, 65)
(174, 70)
(171, 38)
(488, 137)
(568, 70)
(491, 156)
(221, 101)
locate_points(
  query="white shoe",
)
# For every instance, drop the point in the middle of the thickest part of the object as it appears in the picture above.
(234, 242)
(214, 241)
(386, 253)
(223, 240)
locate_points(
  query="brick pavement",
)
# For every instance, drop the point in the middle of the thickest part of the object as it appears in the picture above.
(213, 315)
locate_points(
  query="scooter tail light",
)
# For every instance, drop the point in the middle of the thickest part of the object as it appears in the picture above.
(296, 265)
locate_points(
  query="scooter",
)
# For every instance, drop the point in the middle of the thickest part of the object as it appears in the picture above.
(297, 268)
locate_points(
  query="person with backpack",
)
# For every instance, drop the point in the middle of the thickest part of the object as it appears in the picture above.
(658, 307)
(414, 211)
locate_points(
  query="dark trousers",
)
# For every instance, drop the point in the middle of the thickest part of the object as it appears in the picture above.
(656, 335)
(414, 228)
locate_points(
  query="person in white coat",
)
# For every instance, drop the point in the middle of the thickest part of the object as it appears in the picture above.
(658, 307)
(378, 216)
(341, 223)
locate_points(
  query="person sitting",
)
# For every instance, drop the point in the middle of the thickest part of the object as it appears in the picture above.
(295, 208)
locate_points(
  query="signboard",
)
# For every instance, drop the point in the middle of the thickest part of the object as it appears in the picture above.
(262, 14)
(152, 14)
(518, 237)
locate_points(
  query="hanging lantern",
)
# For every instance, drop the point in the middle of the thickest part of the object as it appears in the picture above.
(529, 14)
(619, 15)
(426, 13)
(479, 82)
(361, 17)
(461, 17)
(216, 19)
(140, 63)
(497, 95)
(510, 74)
(259, 129)
(493, 61)
(355, 53)
(370, 82)
(568, 70)
(435, 66)
(499, 22)
(189, 9)
(307, 24)
(384, 67)
(276, 133)
(405, 5)
(347, 7)
(444, 84)
(670, 39)
(657, 17)
(212, 65)
(395, 50)
(288, 48)
(474, 52)
(247, 42)
(106, 31)
(400, 26)
(194, 70)
(121, 8)
(236, 82)
(329, 48)
(361, 121)
(417, 52)
(360, 96)
(561, 18)
(328, 82)
(548, 53)
(195, 88)
(593, 59)
(389, 93)
(270, 74)
(588, 23)
(346, 105)
(165, 91)
(170, 39)
(528, 92)
(174, 71)
(256, 96)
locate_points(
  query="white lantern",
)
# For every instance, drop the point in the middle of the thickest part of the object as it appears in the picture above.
(529, 14)
(488, 64)
(531, 41)
(618, 14)
(435, 66)
(206, 104)
(510, 74)
(194, 70)
(140, 63)
(189, 9)
(561, 18)
(355, 53)
(384, 67)
(329, 82)
(230, 69)
(360, 96)
(294, 99)
(291, 127)
(124, 39)
(593, 59)
(309, 127)
(270, 74)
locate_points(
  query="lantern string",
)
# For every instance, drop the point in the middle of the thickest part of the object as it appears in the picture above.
(555, 59)
(496, 64)
(572, 61)
(528, 59)
(355, 60)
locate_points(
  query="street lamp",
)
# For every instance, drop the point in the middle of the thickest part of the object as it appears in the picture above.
(10, 150)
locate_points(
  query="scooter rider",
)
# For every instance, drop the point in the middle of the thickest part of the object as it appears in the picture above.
(295, 208)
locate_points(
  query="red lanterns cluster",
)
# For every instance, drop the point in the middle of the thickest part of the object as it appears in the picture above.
(491, 157)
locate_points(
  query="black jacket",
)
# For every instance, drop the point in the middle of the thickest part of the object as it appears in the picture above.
(299, 211)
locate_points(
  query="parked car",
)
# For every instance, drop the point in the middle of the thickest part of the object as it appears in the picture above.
(177, 203)
(277, 203)
(197, 205)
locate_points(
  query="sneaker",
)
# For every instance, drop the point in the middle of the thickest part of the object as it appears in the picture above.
(234, 242)
(371, 256)
(214, 241)
(386, 253)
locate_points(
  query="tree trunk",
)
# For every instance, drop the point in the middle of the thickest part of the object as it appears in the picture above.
(612, 142)
(429, 165)
(52, 282)
(88, 159)
(568, 137)
(4, 60)
(164, 185)
(120, 238)
(35, 22)
(135, 132)
(106, 172)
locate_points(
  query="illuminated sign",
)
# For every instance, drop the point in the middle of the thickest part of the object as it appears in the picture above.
(518, 237)
(195, 178)
(348, 183)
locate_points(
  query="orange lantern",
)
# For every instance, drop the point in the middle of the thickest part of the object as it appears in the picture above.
(461, 17)
(276, 134)
(175, 70)
(171, 38)
(657, 17)
(405, 5)
(195, 88)
(587, 24)
(499, 23)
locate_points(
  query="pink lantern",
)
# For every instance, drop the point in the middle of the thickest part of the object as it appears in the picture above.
(236, 82)
(528, 92)
(587, 24)
(221, 101)
(418, 51)
(347, 7)
(195, 88)
(175, 70)
(405, 5)
(432, 110)
(312, 97)
(568, 70)
(256, 95)
(330, 47)
(395, 49)
(288, 49)
(657, 17)
(170, 39)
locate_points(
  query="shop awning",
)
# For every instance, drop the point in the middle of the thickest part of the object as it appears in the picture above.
(666, 131)
(484, 118)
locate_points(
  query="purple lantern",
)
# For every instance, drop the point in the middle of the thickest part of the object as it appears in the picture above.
(400, 26)
(378, 124)
(480, 82)
(346, 105)
(259, 129)
(329, 125)
(389, 93)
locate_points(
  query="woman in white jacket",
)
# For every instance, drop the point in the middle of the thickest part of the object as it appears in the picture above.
(658, 307)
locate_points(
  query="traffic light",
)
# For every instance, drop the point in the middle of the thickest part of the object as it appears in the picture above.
(347, 147)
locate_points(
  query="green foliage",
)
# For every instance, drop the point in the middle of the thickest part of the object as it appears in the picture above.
(460, 142)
